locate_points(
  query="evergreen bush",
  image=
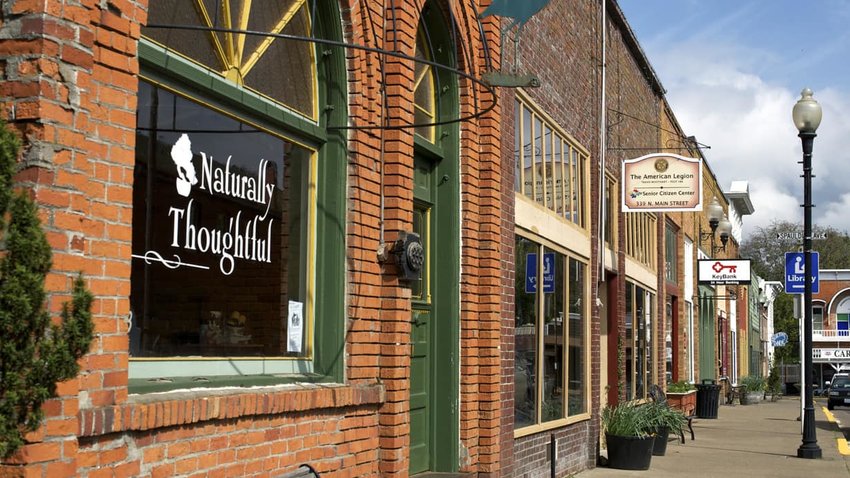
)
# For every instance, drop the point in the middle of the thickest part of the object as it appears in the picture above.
(35, 353)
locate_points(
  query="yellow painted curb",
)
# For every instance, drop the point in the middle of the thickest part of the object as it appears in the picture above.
(843, 447)
(829, 416)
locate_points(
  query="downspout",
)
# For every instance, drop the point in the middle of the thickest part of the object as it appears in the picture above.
(603, 180)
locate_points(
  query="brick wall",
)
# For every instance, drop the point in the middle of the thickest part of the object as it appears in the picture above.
(69, 78)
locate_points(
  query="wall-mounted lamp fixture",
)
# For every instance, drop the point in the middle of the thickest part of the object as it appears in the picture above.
(719, 223)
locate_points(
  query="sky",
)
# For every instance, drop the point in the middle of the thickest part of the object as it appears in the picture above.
(733, 70)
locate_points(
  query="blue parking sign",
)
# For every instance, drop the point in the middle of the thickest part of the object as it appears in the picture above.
(795, 272)
(548, 272)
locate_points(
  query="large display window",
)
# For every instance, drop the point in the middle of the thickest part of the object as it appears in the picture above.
(238, 196)
(551, 337)
(221, 235)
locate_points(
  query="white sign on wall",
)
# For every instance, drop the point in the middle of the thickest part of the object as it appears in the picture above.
(723, 272)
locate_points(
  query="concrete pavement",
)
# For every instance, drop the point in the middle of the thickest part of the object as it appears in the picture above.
(748, 441)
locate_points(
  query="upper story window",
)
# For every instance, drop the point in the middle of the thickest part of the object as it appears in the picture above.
(279, 69)
(817, 317)
(551, 167)
(641, 237)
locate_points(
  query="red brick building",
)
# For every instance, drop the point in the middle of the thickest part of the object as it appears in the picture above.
(232, 178)
(315, 236)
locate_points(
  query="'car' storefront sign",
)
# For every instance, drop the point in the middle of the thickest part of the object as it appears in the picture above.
(662, 182)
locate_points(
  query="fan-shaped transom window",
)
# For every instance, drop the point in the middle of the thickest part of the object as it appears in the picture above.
(281, 69)
(424, 99)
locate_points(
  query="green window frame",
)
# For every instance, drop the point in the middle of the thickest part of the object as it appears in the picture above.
(552, 337)
(324, 264)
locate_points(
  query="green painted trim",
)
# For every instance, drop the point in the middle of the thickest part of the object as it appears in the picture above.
(445, 399)
(162, 65)
(329, 355)
(707, 334)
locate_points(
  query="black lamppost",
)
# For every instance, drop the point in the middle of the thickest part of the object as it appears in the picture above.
(807, 115)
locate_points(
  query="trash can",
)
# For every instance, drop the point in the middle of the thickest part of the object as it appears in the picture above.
(708, 399)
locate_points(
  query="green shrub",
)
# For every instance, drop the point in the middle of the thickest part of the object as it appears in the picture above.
(680, 387)
(627, 419)
(754, 383)
(774, 385)
(661, 416)
(35, 354)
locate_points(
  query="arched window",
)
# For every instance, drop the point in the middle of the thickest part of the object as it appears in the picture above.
(842, 315)
(424, 99)
(280, 69)
(237, 193)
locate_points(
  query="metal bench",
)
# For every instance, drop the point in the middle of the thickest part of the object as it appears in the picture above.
(303, 471)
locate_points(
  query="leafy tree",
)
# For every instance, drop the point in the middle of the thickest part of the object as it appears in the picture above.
(35, 354)
(784, 321)
(766, 248)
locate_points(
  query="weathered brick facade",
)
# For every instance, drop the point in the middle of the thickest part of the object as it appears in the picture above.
(69, 81)
(70, 75)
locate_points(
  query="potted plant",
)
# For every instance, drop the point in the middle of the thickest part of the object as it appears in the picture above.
(627, 433)
(774, 385)
(663, 420)
(682, 396)
(752, 389)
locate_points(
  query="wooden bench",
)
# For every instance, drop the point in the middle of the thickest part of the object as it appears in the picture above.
(658, 395)
(303, 471)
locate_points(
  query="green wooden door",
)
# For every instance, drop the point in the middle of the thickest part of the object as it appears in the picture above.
(421, 363)
(707, 362)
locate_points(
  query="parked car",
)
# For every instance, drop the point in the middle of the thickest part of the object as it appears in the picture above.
(839, 392)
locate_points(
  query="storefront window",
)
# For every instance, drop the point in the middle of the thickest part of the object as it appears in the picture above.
(542, 328)
(526, 338)
(640, 361)
(221, 235)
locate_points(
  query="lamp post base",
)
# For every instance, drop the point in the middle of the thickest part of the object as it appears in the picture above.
(811, 453)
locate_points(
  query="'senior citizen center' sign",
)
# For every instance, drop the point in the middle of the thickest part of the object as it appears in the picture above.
(723, 272)
(662, 182)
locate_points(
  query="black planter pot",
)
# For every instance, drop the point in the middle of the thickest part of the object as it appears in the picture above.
(629, 453)
(659, 445)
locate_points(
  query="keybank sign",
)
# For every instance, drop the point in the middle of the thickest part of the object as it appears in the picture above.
(243, 236)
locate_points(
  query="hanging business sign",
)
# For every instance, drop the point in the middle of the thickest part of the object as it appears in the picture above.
(662, 182)
(779, 339)
(723, 272)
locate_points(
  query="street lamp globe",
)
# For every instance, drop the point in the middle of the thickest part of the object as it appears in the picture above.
(807, 112)
(715, 213)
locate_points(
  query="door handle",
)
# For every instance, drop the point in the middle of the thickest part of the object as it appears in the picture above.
(417, 322)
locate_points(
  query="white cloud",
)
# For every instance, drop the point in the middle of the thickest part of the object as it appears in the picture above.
(717, 94)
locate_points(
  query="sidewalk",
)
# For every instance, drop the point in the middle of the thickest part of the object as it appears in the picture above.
(753, 441)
